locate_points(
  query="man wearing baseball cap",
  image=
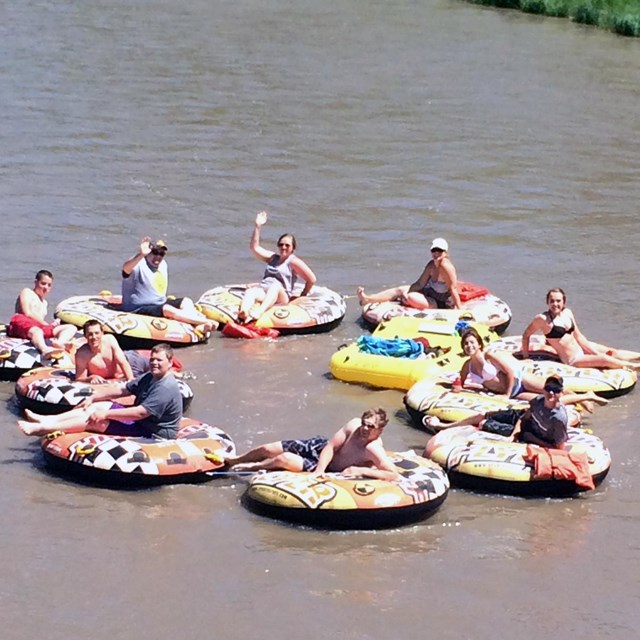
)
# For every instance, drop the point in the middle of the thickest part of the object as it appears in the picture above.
(145, 280)
(543, 423)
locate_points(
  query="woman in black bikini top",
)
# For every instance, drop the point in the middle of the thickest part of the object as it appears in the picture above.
(557, 330)
(575, 350)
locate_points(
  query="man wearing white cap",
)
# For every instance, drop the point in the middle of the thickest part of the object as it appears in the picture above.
(436, 288)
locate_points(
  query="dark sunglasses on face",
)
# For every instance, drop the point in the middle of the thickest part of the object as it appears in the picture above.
(283, 244)
(552, 389)
(158, 252)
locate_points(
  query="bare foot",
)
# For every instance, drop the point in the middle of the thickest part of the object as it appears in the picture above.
(202, 329)
(31, 429)
(432, 423)
(248, 466)
(54, 353)
(587, 405)
(362, 297)
(597, 399)
(31, 416)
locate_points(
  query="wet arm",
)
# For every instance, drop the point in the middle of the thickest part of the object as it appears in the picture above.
(534, 327)
(304, 271)
(421, 282)
(451, 280)
(254, 243)
(330, 449)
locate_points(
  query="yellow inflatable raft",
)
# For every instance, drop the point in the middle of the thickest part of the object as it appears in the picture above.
(194, 456)
(353, 364)
(478, 305)
(319, 311)
(132, 330)
(333, 501)
(490, 463)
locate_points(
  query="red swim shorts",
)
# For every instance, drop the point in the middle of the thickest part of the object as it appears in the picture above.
(20, 325)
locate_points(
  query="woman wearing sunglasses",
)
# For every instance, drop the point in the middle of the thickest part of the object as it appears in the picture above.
(280, 275)
(436, 288)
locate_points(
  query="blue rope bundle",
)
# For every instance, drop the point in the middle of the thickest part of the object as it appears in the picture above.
(396, 347)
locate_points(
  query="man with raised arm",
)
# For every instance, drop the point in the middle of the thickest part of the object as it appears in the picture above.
(145, 280)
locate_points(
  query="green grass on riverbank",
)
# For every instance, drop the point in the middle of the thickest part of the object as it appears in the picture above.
(620, 16)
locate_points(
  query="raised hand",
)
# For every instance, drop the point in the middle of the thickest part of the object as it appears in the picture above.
(145, 246)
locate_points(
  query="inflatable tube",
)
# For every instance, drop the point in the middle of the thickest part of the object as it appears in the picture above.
(51, 390)
(18, 356)
(351, 364)
(334, 501)
(607, 383)
(320, 311)
(132, 330)
(194, 456)
(538, 347)
(478, 305)
(427, 398)
(490, 463)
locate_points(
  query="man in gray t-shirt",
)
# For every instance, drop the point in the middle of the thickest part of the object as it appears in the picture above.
(157, 408)
(545, 421)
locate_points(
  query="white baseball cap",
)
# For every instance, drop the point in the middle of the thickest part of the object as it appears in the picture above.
(440, 243)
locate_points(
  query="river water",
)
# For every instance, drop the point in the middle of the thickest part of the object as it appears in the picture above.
(367, 129)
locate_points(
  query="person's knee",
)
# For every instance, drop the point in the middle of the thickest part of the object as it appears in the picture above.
(35, 333)
(271, 449)
(288, 462)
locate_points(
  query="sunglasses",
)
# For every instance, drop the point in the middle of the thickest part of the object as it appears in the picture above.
(369, 426)
(159, 252)
(552, 389)
(437, 250)
(284, 244)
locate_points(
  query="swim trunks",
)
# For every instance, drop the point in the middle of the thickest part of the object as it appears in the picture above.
(308, 449)
(20, 325)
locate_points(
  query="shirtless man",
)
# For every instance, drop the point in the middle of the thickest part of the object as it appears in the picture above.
(29, 319)
(354, 450)
(145, 280)
(101, 359)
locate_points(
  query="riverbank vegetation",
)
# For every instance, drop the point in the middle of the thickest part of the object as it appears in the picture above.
(620, 16)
